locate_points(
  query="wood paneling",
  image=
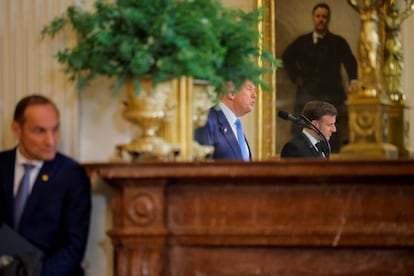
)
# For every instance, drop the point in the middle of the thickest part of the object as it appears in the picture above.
(341, 217)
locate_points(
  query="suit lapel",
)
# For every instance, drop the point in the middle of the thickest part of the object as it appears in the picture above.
(310, 147)
(228, 134)
(248, 147)
(45, 177)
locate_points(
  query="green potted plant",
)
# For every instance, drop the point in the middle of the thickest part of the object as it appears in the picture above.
(134, 41)
(164, 39)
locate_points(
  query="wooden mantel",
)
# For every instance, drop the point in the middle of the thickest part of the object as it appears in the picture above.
(338, 217)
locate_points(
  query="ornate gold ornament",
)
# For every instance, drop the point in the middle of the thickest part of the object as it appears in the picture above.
(149, 110)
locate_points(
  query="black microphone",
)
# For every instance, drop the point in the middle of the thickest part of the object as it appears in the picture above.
(297, 120)
(287, 116)
(303, 121)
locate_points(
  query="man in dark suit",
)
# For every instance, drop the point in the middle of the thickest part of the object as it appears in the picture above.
(221, 131)
(313, 62)
(56, 212)
(309, 143)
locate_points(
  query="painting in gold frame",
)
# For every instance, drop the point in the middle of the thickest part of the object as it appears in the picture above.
(282, 22)
(285, 21)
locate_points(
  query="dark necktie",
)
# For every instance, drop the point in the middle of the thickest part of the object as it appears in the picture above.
(242, 141)
(319, 147)
(22, 194)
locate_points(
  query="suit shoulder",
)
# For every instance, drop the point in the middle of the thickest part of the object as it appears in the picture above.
(295, 47)
(214, 112)
(7, 160)
(7, 153)
(215, 115)
(66, 163)
(291, 144)
(302, 38)
(296, 142)
(68, 166)
(294, 147)
(336, 37)
(66, 159)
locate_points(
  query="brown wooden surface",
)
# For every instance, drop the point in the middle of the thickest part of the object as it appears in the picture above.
(338, 217)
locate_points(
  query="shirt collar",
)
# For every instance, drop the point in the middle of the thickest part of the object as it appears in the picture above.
(317, 35)
(310, 137)
(20, 160)
(231, 118)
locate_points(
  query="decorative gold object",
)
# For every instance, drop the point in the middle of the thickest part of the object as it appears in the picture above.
(203, 96)
(368, 123)
(265, 110)
(393, 67)
(369, 107)
(149, 110)
(393, 54)
(399, 128)
(369, 51)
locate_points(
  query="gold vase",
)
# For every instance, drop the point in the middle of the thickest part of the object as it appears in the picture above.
(202, 100)
(149, 110)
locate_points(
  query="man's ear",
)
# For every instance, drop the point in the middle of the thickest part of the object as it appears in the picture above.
(315, 123)
(229, 96)
(16, 129)
(230, 87)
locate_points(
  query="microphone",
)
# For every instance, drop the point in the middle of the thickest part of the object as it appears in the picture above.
(287, 116)
(305, 122)
(297, 120)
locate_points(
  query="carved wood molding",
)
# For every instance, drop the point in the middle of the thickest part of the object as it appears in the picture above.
(180, 218)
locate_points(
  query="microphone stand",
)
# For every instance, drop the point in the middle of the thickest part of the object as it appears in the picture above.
(305, 122)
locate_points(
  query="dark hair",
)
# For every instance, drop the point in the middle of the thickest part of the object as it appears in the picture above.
(315, 110)
(322, 5)
(27, 101)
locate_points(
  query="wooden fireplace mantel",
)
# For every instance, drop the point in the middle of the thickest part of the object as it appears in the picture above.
(338, 217)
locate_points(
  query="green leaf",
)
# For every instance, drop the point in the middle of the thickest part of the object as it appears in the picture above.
(166, 39)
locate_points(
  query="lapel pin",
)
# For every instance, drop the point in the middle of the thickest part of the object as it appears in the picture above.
(45, 177)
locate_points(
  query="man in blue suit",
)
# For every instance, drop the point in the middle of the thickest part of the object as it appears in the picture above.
(56, 212)
(221, 130)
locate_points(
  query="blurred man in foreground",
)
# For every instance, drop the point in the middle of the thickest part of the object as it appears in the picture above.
(44, 195)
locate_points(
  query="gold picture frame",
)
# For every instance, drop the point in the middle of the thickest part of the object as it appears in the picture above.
(180, 130)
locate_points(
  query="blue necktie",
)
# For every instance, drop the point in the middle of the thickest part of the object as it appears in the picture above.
(22, 194)
(242, 141)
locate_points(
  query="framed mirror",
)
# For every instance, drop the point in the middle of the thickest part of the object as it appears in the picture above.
(284, 22)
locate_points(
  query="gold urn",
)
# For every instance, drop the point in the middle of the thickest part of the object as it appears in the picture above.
(149, 110)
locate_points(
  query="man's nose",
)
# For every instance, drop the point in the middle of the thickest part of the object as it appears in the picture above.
(50, 138)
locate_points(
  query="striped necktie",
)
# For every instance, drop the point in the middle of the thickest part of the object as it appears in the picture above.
(22, 194)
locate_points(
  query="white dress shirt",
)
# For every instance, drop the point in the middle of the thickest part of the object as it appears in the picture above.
(19, 171)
